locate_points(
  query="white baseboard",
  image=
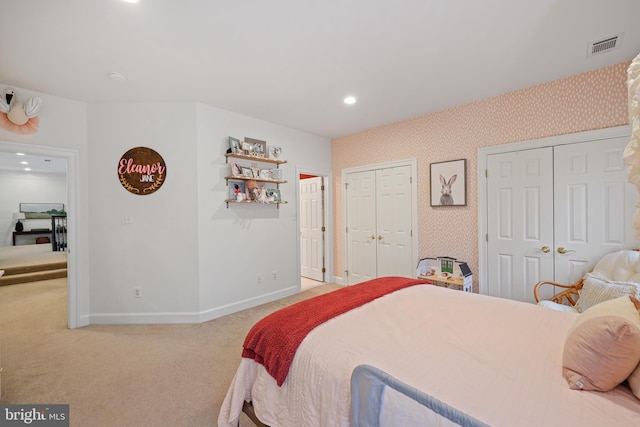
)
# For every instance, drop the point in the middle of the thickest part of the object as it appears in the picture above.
(195, 317)
(214, 313)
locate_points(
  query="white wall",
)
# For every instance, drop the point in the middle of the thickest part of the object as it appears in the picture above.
(19, 187)
(193, 258)
(159, 251)
(238, 243)
(63, 133)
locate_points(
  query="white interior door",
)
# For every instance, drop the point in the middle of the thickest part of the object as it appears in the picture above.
(393, 222)
(520, 230)
(379, 222)
(312, 228)
(553, 212)
(361, 226)
(594, 205)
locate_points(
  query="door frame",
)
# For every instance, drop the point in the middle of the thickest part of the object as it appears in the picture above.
(413, 163)
(71, 156)
(328, 223)
(483, 153)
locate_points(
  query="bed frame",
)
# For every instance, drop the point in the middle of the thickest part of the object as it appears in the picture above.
(247, 408)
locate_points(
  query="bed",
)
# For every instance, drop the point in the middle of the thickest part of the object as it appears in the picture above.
(483, 360)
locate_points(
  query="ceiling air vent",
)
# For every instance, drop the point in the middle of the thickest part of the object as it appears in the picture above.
(606, 45)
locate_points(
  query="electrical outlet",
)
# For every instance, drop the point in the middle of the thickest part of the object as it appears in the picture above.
(127, 220)
(259, 279)
(275, 275)
(137, 293)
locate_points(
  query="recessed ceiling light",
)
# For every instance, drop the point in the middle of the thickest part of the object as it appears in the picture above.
(19, 154)
(24, 163)
(350, 100)
(118, 77)
(27, 169)
(130, 1)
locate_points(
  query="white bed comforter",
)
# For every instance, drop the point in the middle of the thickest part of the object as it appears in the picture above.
(497, 360)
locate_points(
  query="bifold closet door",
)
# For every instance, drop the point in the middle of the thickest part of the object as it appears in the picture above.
(393, 222)
(361, 227)
(520, 222)
(378, 224)
(594, 205)
(553, 212)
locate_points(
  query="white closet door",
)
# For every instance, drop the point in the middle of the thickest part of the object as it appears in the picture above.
(520, 222)
(379, 220)
(393, 212)
(311, 228)
(594, 205)
(361, 226)
(553, 212)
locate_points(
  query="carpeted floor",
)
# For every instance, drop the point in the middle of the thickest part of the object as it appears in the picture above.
(120, 375)
(12, 256)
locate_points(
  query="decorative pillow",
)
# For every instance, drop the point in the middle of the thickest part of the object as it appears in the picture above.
(634, 382)
(621, 266)
(596, 290)
(634, 378)
(558, 307)
(603, 345)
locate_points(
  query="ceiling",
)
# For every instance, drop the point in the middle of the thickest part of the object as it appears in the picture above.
(292, 62)
(34, 164)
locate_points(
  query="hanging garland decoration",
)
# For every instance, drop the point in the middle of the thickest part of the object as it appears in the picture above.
(632, 151)
(17, 117)
(142, 171)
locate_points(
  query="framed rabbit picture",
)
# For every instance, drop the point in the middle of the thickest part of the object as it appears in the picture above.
(449, 183)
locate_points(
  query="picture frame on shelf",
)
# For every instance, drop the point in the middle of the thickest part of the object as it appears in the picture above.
(275, 152)
(265, 174)
(257, 147)
(234, 145)
(247, 172)
(246, 148)
(256, 172)
(275, 194)
(449, 183)
(236, 187)
(276, 174)
(236, 169)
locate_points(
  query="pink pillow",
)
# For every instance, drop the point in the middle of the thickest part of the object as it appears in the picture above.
(634, 378)
(634, 382)
(603, 345)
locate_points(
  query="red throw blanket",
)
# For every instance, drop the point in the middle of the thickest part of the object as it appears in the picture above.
(273, 341)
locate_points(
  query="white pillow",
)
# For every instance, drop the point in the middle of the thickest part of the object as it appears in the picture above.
(596, 290)
(621, 266)
(558, 307)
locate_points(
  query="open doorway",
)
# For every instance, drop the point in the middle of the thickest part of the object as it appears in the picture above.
(314, 227)
(65, 159)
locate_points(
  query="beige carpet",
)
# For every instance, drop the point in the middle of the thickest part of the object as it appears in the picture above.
(125, 375)
(13, 256)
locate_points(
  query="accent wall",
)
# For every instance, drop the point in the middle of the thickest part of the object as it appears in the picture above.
(583, 102)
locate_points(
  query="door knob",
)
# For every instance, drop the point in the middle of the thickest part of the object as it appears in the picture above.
(562, 250)
(379, 237)
(373, 237)
(545, 249)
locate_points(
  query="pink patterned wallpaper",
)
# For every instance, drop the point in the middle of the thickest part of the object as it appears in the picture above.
(583, 102)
